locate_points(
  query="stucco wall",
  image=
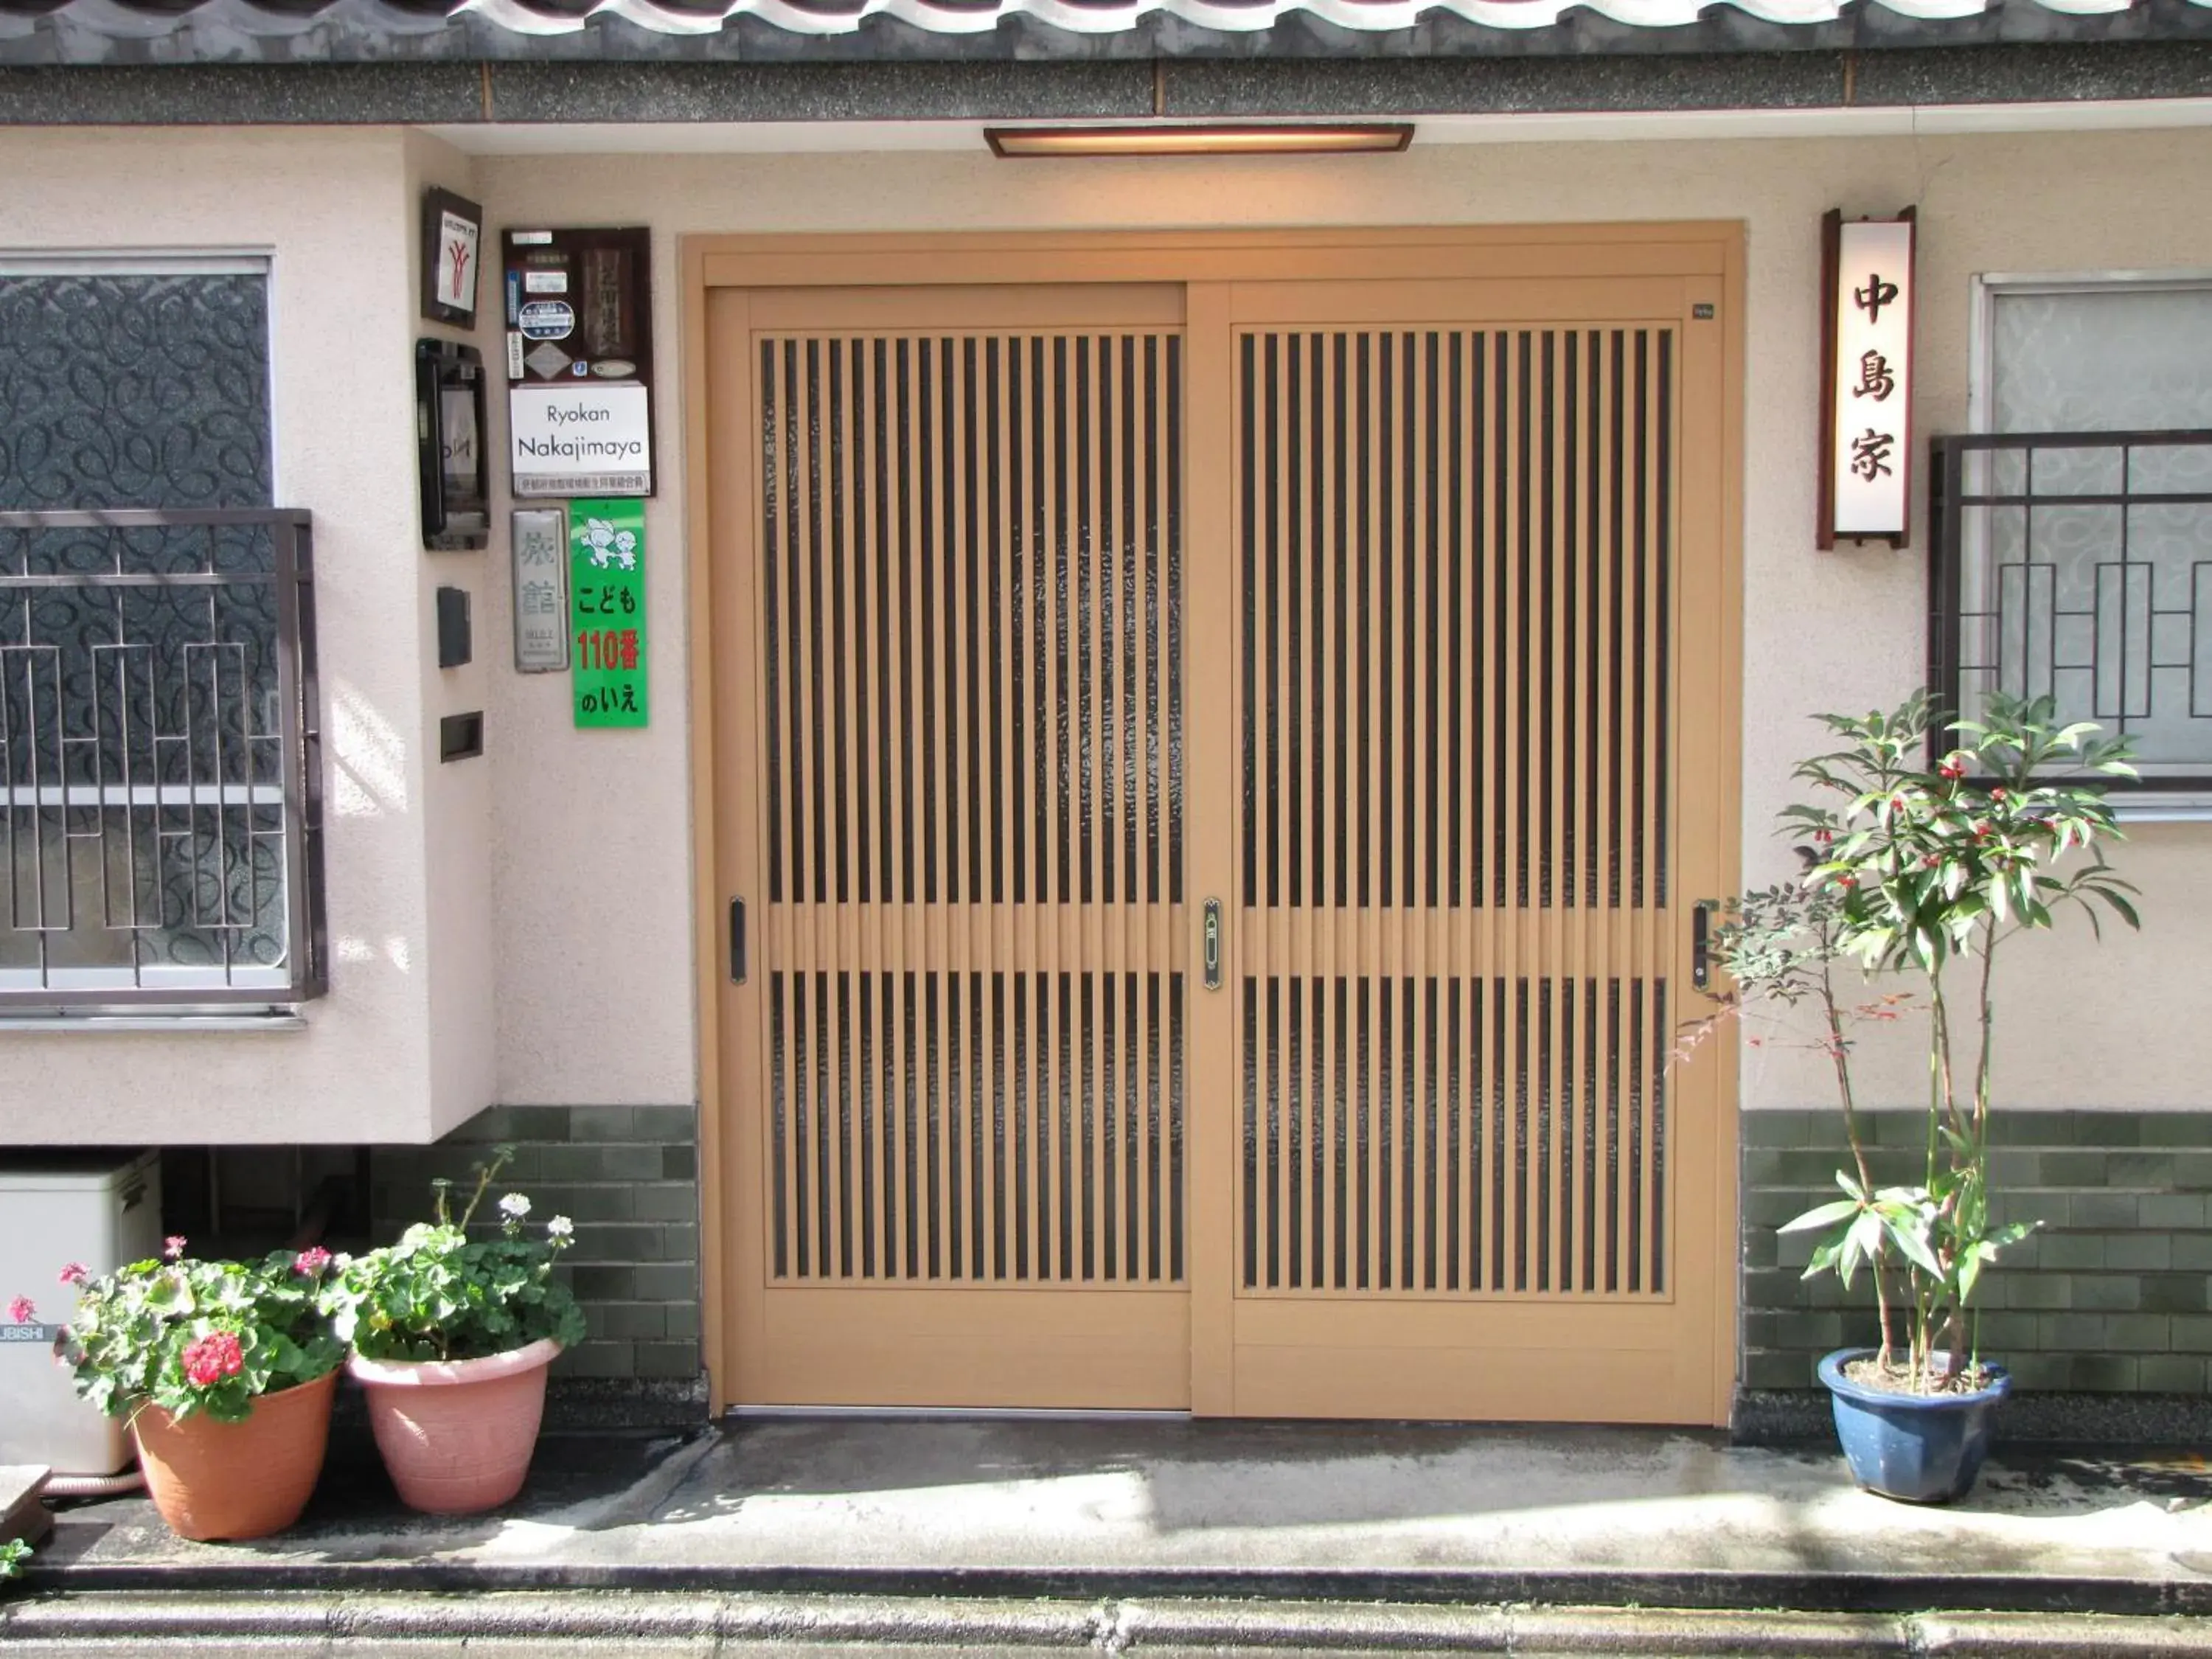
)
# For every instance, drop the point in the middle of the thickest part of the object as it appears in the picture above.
(335, 210)
(518, 928)
(459, 972)
(1824, 630)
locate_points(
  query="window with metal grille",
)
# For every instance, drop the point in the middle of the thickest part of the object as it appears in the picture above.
(2073, 537)
(160, 766)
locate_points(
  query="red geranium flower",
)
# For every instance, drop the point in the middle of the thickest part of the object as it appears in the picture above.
(75, 1273)
(212, 1357)
(311, 1260)
(173, 1246)
(21, 1310)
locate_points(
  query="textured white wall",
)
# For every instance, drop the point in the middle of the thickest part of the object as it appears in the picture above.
(335, 209)
(1824, 630)
(460, 973)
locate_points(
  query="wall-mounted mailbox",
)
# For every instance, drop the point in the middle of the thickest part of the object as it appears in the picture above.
(460, 737)
(449, 430)
(455, 645)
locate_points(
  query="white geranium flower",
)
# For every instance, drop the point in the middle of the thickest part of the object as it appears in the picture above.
(560, 1227)
(514, 1206)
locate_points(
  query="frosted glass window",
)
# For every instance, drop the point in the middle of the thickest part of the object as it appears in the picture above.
(2090, 576)
(2117, 359)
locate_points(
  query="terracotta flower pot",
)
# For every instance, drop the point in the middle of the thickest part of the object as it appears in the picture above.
(243, 1479)
(457, 1435)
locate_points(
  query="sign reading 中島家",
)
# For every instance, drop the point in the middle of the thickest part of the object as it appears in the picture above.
(579, 438)
(1866, 418)
(606, 611)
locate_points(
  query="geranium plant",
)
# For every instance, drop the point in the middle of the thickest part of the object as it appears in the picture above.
(440, 1294)
(192, 1335)
(1927, 870)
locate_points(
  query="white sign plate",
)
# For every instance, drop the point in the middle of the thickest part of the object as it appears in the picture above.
(1872, 428)
(540, 548)
(579, 438)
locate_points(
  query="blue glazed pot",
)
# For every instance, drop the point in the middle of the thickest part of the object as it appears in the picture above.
(1920, 1450)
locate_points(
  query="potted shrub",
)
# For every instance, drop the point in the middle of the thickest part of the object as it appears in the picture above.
(1925, 872)
(450, 1336)
(225, 1371)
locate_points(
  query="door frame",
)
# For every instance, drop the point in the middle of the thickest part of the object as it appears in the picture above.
(717, 498)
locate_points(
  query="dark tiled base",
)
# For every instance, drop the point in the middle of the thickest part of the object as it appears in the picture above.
(629, 1177)
(1792, 1417)
(2109, 1299)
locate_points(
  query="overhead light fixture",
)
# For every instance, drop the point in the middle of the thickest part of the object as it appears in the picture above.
(1166, 138)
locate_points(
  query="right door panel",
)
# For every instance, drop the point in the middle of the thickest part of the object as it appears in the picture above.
(1468, 1183)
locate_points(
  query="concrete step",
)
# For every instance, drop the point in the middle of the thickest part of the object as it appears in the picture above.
(665, 1627)
(22, 1514)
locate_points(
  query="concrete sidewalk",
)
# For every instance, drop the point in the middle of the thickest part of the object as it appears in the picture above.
(1032, 1507)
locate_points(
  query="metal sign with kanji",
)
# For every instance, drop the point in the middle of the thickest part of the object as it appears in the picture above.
(606, 610)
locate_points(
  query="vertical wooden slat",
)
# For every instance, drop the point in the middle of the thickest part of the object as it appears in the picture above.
(1559, 547)
(1506, 851)
(1006, 759)
(962, 772)
(1151, 940)
(1271, 973)
(1423, 894)
(843, 737)
(1058, 643)
(1089, 1093)
(1037, 768)
(1650, 707)
(1620, 935)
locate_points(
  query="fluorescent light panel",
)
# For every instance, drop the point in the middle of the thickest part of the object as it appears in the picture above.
(1156, 138)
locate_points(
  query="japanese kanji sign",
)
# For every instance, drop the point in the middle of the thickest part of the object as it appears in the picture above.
(541, 589)
(1866, 423)
(606, 611)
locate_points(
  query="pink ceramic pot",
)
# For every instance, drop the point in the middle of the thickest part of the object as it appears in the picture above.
(457, 1435)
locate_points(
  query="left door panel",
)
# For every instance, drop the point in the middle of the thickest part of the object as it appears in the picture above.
(948, 522)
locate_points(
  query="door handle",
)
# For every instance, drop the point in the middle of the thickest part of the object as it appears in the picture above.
(1209, 944)
(1701, 948)
(737, 941)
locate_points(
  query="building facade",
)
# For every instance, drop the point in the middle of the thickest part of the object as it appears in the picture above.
(1219, 682)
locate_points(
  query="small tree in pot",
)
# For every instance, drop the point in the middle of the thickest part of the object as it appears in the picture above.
(1928, 872)
(450, 1336)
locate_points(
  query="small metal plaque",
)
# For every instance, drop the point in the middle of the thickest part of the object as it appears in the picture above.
(540, 548)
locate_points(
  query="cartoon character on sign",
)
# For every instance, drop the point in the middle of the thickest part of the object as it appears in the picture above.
(611, 547)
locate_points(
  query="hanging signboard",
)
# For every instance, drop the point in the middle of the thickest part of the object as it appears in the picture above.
(1866, 372)
(606, 589)
(579, 308)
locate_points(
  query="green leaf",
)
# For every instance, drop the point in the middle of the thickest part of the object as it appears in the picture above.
(1911, 1243)
(1821, 1215)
